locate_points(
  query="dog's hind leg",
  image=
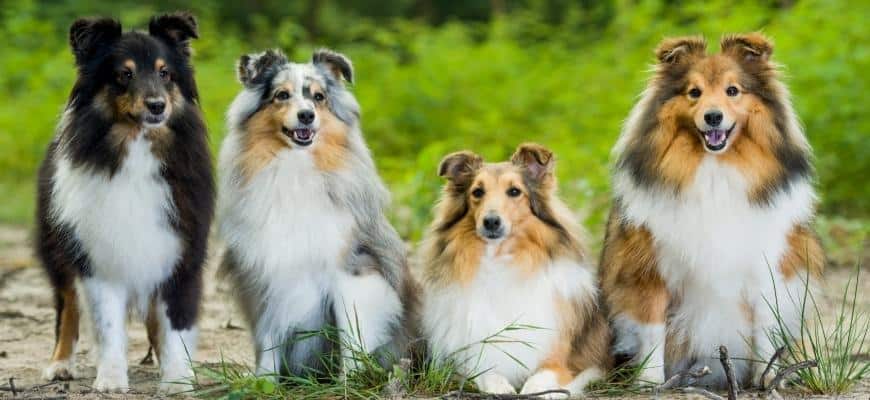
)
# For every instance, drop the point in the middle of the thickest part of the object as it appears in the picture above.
(366, 311)
(62, 365)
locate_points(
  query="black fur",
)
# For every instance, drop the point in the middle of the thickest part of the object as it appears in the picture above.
(84, 137)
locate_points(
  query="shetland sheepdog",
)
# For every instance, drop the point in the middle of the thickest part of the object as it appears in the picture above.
(126, 198)
(710, 225)
(301, 205)
(508, 295)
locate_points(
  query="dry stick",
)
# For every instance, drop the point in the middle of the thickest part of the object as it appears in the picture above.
(769, 367)
(788, 371)
(12, 386)
(729, 372)
(702, 392)
(691, 375)
(458, 394)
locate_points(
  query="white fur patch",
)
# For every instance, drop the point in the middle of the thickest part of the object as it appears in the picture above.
(716, 250)
(291, 241)
(107, 302)
(458, 319)
(122, 222)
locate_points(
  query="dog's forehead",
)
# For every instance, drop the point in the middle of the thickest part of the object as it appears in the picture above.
(297, 75)
(715, 68)
(143, 50)
(502, 172)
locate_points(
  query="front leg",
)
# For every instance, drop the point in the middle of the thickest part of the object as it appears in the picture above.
(637, 297)
(367, 311)
(108, 305)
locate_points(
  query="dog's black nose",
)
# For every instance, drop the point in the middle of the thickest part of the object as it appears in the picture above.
(713, 118)
(492, 223)
(305, 116)
(155, 106)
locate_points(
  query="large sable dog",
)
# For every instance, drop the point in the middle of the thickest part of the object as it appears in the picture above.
(504, 253)
(126, 197)
(302, 213)
(710, 225)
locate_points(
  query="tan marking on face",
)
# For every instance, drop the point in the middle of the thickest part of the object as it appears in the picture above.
(130, 64)
(330, 145)
(263, 139)
(159, 64)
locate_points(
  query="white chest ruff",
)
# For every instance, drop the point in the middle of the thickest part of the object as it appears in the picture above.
(122, 222)
(458, 319)
(716, 250)
(283, 228)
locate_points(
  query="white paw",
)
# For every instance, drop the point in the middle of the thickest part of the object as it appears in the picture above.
(111, 380)
(495, 384)
(177, 380)
(61, 370)
(652, 375)
(543, 381)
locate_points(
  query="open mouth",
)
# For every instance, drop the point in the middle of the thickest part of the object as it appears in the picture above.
(153, 120)
(300, 136)
(717, 139)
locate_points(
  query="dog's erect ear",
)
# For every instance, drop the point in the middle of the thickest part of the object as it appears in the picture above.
(751, 47)
(88, 36)
(681, 49)
(536, 160)
(459, 167)
(176, 29)
(251, 68)
(335, 63)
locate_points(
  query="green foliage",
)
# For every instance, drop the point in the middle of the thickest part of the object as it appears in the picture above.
(838, 347)
(564, 75)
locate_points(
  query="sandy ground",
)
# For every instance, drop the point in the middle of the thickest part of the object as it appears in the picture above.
(27, 329)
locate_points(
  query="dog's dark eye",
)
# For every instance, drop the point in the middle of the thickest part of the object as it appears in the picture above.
(164, 74)
(125, 76)
(513, 192)
(318, 97)
(695, 93)
(732, 91)
(282, 95)
(478, 193)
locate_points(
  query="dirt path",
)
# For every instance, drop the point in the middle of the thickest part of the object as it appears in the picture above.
(27, 328)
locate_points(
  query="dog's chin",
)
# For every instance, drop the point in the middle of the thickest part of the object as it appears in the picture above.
(151, 121)
(716, 141)
(302, 137)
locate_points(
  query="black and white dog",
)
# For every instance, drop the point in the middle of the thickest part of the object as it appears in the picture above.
(126, 196)
(302, 212)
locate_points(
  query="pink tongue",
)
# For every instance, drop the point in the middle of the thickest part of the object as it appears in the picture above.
(715, 137)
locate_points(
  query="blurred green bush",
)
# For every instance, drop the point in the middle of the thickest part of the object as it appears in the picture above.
(561, 73)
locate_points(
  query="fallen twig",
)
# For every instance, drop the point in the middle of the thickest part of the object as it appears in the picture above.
(691, 377)
(776, 356)
(729, 372)
(702, 392)
(788, 371)
(458, 394)
(12, 386)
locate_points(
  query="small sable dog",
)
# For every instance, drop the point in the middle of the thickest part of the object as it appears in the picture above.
(710, 224)
(126, 198)
(504, 253)
(302, 212)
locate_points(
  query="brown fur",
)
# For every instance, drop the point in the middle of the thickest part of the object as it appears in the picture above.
(629, 273)
(804, 254)
(542, 230)
(264, 139)
(68, 327)
(664, 147)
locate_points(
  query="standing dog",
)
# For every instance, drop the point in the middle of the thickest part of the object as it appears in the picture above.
(302, 209)
(710, 225)
(504, 253)
(126, 197)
